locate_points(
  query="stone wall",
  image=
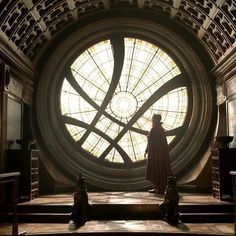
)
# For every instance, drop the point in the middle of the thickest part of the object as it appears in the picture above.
(225, 73)
(16, 96)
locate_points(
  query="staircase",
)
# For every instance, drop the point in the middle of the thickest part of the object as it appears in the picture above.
(120, 210)
(189, 213)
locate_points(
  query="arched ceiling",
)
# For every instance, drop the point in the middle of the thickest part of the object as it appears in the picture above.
(26, 25)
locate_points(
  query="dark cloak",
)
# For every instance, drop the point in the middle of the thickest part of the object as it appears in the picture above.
(158, 159)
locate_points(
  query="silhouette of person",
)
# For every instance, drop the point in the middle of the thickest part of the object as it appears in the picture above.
(158, 160)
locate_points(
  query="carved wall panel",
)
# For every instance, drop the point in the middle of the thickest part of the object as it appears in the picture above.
(159, 6)
(15, 88)
(29, 24)
(232, 121)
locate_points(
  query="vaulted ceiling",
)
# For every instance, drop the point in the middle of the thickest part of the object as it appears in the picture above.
(26, 25)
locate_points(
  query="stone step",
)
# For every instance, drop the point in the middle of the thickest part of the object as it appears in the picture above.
(126, 208)
(110, 207)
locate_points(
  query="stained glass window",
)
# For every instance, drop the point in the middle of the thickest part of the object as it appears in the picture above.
(108, 113)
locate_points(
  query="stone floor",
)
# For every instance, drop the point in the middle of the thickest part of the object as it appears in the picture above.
(124, 225)
(125, 198)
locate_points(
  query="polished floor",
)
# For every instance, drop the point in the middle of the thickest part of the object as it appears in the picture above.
(125, 198)
(124, 225)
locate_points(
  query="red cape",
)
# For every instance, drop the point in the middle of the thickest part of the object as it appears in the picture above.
(158, 159)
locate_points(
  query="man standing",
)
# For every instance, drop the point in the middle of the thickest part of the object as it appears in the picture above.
(158, 159)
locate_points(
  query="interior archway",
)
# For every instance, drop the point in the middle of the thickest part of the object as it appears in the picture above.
(77, 153)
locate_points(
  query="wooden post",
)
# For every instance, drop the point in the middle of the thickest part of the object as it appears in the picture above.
(233, 173)
(12, 178)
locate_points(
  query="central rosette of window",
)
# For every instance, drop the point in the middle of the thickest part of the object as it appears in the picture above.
(123, 104)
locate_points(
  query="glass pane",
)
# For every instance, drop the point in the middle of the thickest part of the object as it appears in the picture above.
(93, 70)
(75, 131)
(111, 129)
(145, 69)
(114, 156)
(75, 106)
(95, 144)
(134, 145)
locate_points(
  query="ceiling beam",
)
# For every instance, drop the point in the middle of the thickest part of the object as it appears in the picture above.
(140, 4)
(35, 14)
(175, 8)
(71, 4)
(107, 4)
(213, 12)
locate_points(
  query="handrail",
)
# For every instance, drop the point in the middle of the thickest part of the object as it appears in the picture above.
(11, 174)
(8, 178)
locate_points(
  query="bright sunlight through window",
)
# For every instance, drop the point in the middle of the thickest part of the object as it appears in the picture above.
(107, 111)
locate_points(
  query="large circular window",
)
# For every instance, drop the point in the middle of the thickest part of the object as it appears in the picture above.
(111, 92)
(98, 91)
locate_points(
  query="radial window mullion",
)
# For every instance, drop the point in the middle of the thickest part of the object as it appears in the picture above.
(146, 68)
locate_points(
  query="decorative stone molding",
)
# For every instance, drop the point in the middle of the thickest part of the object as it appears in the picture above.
(29, 25)
(221, 94)
(231, 88)
(15, 88)
(225, 74)
(20, 71)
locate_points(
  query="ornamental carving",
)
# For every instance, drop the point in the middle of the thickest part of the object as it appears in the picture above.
(28, 25)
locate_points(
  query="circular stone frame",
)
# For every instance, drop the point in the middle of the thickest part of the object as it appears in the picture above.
(57, 145)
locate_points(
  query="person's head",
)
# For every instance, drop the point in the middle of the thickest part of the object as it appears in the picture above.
(156, 118)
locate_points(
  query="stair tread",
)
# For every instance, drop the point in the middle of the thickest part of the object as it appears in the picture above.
(145, 227)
